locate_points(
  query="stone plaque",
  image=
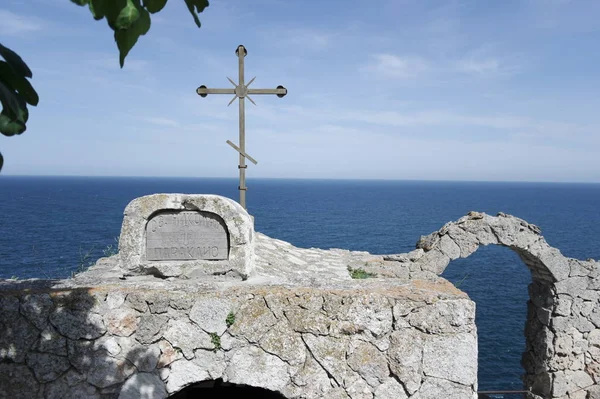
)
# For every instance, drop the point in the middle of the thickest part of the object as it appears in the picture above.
(186, 235)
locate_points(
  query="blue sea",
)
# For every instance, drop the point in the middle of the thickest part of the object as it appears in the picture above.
(49, 226)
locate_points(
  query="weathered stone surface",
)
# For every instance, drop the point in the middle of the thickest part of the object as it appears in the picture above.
(210, 314)
(311, 381)
(187, 337)
(184, 373)
(105, 371)
(17, 336)
(110, 345)
(406, 358)
(212, 361)
(36, 309)
(46, 366)
(143, 386)
(168, 354)
(435, 388)
(444, 317)
(137, 301)
(330, 353)
(390, 388)
(371, 313)
(252, 366)
(115, 299)
(158, 303)
(17, 381)
(572, 285)
(434, 261)
(9, 307)
(283, 343)
(368, 362)
(467, 242)
(229, 342)
(76, 324)
(50, 341)
(308, 321)
(121, 321)
(449, 247)
(150, 328)
(358, 389)
(80, 354)
(252, 320)
(428, 242)
(60, 389)
(182, 301)
(570, 381)
(451, 357)
(144, 358)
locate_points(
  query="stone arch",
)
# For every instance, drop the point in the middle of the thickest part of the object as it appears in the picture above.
(554, 366)
(463, 237)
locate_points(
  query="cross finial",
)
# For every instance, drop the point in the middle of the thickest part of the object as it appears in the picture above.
(241, 91)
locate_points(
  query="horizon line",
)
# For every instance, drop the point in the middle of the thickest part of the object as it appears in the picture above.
(308, 178)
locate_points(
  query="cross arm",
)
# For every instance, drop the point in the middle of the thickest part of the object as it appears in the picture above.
(280, 91)
(204, 91)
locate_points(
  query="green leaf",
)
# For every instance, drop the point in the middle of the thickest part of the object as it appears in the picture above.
(126, 38)
(196, 7)
(1, 161)
(18, 83)
(8, 98)
(154, 6)
(109, 9)
(97, 8)
(128, 16)
(15, 62)
(80, 2)
(10, 126)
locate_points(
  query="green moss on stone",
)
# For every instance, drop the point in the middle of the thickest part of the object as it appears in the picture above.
(216, 341)
(230, 319)
(360, 273)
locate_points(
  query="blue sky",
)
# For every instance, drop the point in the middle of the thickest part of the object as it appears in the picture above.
(380, 89)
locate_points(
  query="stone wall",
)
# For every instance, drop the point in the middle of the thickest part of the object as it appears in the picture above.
(300, 324)
(369, 340)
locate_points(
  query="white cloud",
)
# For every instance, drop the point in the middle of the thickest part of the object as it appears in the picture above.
(161, 121)
(15, 24)
(418, 67)
(399, 67)
(478, 67)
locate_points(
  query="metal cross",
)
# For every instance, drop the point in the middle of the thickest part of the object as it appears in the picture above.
(242, 91)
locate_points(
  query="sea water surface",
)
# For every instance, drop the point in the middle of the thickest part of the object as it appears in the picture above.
(50, 226)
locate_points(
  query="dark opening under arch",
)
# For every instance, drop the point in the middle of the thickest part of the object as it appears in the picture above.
(218, 389)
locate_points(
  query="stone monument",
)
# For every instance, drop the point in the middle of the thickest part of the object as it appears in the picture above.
(182, 235)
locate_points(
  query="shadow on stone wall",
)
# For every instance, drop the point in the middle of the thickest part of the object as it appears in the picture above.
(54, 344)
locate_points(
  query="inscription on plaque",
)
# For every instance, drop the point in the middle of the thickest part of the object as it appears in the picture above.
(186, 235)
